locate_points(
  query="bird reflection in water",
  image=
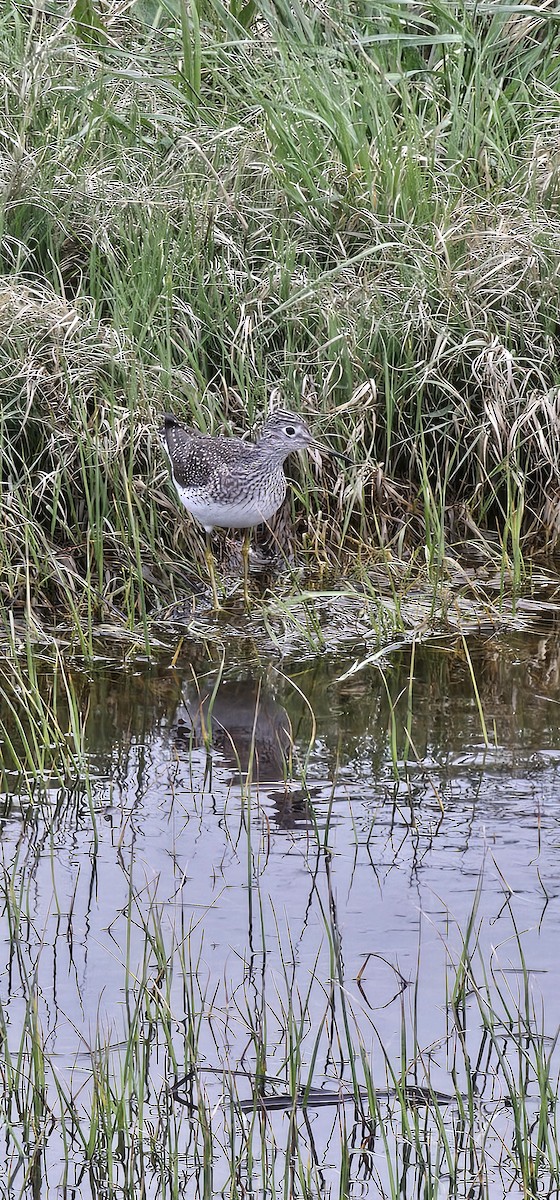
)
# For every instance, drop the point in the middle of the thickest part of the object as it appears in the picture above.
(242, 722)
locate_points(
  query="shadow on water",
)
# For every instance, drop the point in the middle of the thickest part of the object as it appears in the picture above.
(289, 882)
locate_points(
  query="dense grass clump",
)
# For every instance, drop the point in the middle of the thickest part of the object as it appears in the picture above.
(356, 205)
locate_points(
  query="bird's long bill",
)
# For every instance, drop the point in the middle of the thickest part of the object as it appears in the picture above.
(317, 448)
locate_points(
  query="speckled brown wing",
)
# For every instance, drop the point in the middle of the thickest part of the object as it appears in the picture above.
(198, 459)
(193, 457)
(187, 453)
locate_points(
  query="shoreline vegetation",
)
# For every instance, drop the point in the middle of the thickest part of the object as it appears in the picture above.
(355, 207)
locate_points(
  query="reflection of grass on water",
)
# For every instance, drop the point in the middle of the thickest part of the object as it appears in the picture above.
(194, 1085)
(356, 209)
(145, 1111)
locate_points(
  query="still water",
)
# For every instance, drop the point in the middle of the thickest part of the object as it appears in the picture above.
(276, 866)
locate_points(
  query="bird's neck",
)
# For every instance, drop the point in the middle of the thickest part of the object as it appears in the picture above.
(276, 455)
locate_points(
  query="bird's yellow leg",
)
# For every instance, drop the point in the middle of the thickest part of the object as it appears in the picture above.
(245, 554)
(210, 564)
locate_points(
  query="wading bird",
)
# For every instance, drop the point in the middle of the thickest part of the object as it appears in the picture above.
(234, 484)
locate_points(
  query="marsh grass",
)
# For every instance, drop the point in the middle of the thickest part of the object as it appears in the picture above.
(202, 203)
(42, 723)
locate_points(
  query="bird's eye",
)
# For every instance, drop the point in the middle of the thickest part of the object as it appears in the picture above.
(289, 431)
